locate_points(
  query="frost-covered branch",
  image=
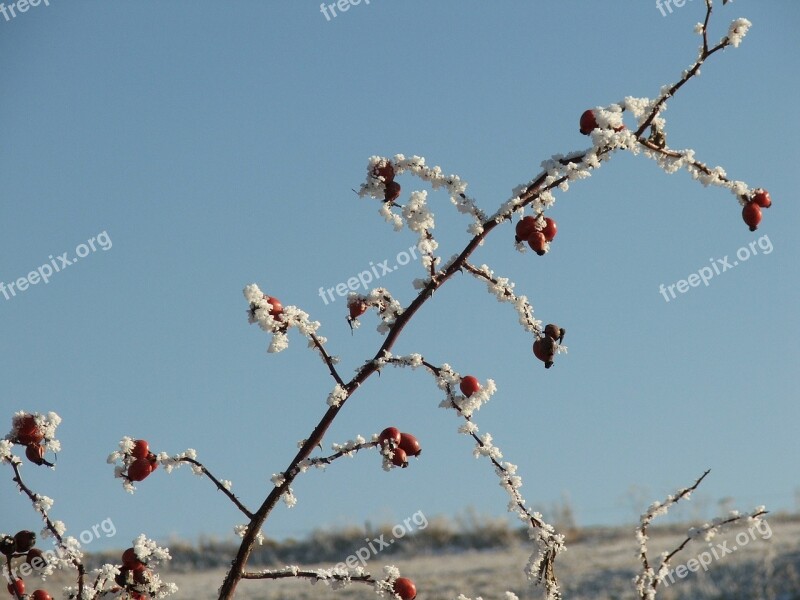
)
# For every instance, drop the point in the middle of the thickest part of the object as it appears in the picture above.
(541, 566)
(650, 577)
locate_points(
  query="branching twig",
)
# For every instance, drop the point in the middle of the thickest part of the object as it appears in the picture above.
(220, 486)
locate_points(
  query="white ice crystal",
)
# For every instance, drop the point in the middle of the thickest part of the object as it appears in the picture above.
(737, 31)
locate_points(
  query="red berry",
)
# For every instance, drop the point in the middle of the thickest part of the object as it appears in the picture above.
(140, 449)
(761, 197)
(392, 192)
(385, 170)
(554, 331)
(24, 540)
(405, 588)
(550, 229)
(17, 588)
(410, 444)
(36, 559)
(588, 122)
(544, 349)
(35, 453)
(525, 228)
(140, 469)
(121, 579)
(390, 433)
(276, 308)
(357, 308)
(751, 213)
(141, 576)
(537, 242)
(151, 458)
(131, 561)
(41, 595)
(28, 431)
(399, 458)
(469, 385)
(7, 545)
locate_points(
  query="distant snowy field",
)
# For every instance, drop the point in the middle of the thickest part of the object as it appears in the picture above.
(596, 569)
(760, 569)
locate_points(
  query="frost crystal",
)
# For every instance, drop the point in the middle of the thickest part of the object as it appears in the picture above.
(737, 31)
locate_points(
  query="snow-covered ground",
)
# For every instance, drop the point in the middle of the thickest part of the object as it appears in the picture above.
(601, 566)
(590, 569)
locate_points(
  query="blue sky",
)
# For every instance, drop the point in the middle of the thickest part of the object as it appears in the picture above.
(217, 145)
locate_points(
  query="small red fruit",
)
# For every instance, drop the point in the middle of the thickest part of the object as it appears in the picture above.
(28, 431)
(399, 458)
(357, 308)
(410, 444)
(17, 588)
(751, 213)
(121, 579)
(390, 433)
(544, 349)
(550, 229)
(525, 228)
(36, 559)
(385, 170)
(131, 561)
(7, 545)
(537, 242)
(140, 449)
(276, 306)
(35, 453)
(24, 540)
(588, 122)
(405, 588)
(392, 192)
(41, 595)
(469, 385)
(761, 197)
(140, 469)
(554, 331)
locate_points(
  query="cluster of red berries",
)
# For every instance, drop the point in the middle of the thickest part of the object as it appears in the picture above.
(751, 213)
(405, 588)
(133, 573)
(392, 188)
(402, 445)
(589, 123)
(22, 544)
(144, 461)
(536, 232)
(30, 435)
(544, 348)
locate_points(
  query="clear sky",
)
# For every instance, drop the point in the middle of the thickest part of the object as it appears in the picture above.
(216, 144)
